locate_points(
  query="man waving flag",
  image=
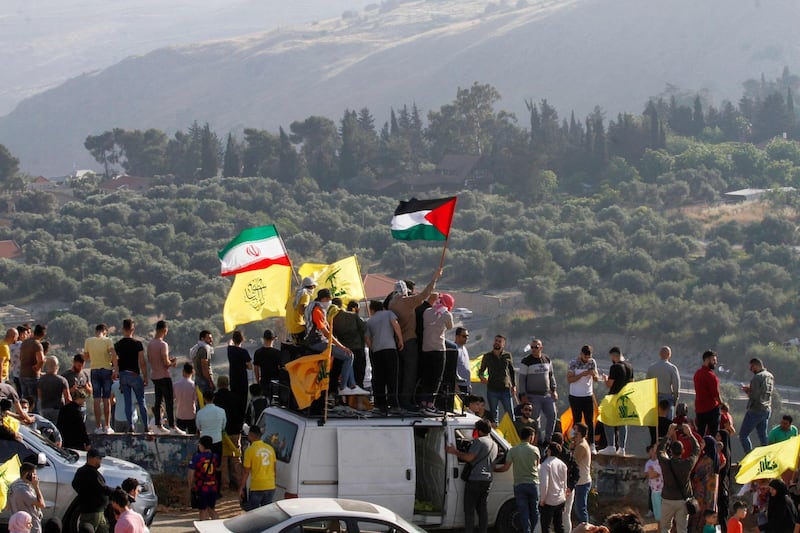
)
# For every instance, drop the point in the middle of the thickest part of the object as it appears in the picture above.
(426, 220)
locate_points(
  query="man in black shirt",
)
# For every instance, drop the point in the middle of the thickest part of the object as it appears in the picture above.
(71, 425)
(620, 374)
(267, 361)
(93, 492)
(132, 370)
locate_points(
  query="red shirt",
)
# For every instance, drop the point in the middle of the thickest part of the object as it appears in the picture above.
(706, 390)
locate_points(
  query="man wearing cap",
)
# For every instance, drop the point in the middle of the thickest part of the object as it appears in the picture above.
(759, 407)
(71, 425)
(318, 335)
(92, 491)
(296, 310)
(259, 468)
(24, 495)
(267, 364)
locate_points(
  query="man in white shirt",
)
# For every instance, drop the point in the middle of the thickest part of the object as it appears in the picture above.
(462, 363)
(552, 489)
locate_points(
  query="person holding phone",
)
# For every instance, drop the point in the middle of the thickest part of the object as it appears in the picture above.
(25, 495)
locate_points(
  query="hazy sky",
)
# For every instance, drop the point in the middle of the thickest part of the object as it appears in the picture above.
(45, 42)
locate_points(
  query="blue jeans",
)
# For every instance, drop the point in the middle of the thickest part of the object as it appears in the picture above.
(131, 381)
(498, 397)
(623, 435)
(259, 498)
(582, 501)
(346, 377)
(754, 420)
(527, 498)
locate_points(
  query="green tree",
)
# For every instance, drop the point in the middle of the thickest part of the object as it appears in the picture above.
(232, 161)
(209, 153)
(68, 330)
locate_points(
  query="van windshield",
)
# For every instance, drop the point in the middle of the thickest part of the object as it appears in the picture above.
(280, 434)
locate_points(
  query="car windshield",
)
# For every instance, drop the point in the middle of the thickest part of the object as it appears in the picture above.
(257, 520)
(68, 455)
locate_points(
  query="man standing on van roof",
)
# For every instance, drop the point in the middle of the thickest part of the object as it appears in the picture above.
(500, 383)
(296, 310)
(481, 455)
(404, 305)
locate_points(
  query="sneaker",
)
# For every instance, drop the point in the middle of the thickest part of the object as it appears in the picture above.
(160, 430)
(100, 431)
(358, 391)
(109, 430)
(608, 450)
(178, 431)
(150, 430)
(346, 392)
(432, 411)
(621, 452)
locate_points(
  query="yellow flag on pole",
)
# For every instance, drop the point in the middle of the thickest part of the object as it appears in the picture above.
(308, 376)
(343, 278)
(635, 405)
(9, 473)
(769, 462)
(508, 430)
(256, 295)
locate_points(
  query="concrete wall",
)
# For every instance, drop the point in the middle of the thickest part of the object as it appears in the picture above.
(158, 454)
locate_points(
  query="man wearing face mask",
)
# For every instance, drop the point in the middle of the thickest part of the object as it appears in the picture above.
(317, 335)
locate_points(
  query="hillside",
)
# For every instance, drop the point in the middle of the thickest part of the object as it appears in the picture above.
(576, 53)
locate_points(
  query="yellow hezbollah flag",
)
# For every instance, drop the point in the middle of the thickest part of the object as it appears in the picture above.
(256, 295)
(9, 473)
(343, 278)
(308, 376)
(635, 405)
(769, 462)
(474, 366)
(508, 430)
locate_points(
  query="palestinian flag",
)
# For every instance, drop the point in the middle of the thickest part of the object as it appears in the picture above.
(427, 220)
(253, 249)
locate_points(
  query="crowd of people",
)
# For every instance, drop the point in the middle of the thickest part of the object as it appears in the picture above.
(405, 340)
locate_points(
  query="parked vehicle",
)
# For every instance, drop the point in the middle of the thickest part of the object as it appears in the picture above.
(57, 467)
(397, 461)
(461, 313)
(312, 515)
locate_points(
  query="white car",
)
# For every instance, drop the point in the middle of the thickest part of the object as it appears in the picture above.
(462, 313)
(312, 515)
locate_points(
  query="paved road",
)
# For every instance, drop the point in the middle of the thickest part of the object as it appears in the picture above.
(180, 521)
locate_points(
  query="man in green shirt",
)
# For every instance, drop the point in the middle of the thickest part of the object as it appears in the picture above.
(500, 381)
(784, 431)
(525, 458)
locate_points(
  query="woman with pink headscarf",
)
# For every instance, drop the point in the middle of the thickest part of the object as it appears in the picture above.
(436, 321)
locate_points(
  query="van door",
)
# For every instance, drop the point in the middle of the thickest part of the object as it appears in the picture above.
(378, 466)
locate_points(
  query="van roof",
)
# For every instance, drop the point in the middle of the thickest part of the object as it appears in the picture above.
(467, 419)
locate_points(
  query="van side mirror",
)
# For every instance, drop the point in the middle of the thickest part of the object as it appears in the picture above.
(41, 459)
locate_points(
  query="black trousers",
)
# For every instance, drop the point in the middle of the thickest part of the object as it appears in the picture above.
(384, 378)
(552, 514)
(708, 422)
(582, 410)
(432, 369)
(475, 495)
(163, 388)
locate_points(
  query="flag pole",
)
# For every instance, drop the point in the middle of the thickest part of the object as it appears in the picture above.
(444, 250)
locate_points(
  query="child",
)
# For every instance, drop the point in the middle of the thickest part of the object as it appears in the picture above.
(735, 521)
(203, 479)
(711, 522)
(652, 470)
(258, 402)
(20, 522)
(726, 420)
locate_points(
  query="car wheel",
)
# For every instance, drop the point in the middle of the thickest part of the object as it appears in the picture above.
(71, 519)
(507, 518)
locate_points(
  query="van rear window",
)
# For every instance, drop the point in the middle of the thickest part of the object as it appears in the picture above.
(280, 434)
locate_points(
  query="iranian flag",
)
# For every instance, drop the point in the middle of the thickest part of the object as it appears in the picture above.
(427, 220)
(253, 249)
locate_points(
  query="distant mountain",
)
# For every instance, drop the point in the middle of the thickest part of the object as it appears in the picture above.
(575, 53)
(49, 41)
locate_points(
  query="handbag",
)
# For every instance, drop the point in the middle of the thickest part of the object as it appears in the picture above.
(692, 505)
(467, 470)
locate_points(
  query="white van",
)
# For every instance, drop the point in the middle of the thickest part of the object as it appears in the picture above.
(396, 462)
